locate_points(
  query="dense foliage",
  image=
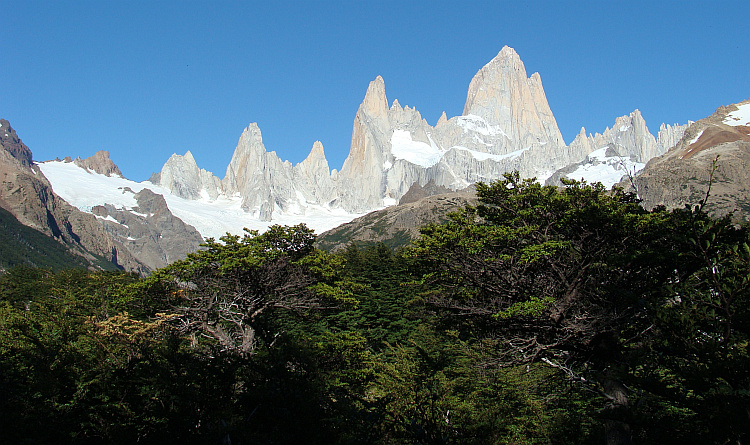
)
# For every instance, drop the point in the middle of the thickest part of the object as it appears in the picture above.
(542, 315)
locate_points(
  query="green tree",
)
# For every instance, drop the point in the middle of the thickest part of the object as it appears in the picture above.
(226, 291)
(569, 277)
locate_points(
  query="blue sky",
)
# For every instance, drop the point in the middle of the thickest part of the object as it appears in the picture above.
(145, 79)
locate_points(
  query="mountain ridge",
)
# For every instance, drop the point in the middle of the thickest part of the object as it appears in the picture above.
(507, 124)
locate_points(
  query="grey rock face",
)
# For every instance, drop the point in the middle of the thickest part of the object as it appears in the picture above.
(627, 143)
(13, 151)
(150, 232)
(267, 184)
(506, 125)
(312, 177)
(502, 95)
(183, 178)
(262, 180)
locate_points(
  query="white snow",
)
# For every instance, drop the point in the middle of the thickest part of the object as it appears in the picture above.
(599, 155)
(416, 152)
(389, 201)
(481, 156)
(607, 170)
(109, 218)
(739, 117)
(692, 141)
(472, 122)
(624, 127)
(142, 215)
(215, 218)
(387, 165)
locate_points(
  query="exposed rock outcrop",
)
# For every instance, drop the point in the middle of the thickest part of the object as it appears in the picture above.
(506, 125)
(150, 231)
(619, 151)
(181, 175)
(417, 192)
(99, 163)
(681, 176)
(14, 152)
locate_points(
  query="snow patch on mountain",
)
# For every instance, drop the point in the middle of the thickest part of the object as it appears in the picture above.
(598, 167)
(211, 217)
(477, 124)
(739, 117)
(695, 139)
(482, 156)
(416, 152)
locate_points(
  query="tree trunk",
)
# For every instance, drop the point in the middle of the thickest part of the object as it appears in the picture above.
(616, 429)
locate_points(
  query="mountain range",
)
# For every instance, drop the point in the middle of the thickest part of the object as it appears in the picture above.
(395, 155)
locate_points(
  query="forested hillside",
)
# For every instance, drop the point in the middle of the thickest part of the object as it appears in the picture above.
(541, 315)
(23, 246)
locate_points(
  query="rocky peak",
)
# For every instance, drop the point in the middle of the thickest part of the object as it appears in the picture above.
(99, 163)
(26, 193)
(443, 119)
(670, 135)
(375, 103)
(247, 156)
(12, 149)
(316, 162)
(503, 95)
(181, 175)
(316, 151)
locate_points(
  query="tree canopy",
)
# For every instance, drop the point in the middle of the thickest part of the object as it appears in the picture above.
(542, 315)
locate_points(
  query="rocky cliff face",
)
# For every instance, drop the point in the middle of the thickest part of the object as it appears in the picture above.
(27, 194)
(14, 153)
(506, 125)
(502, 95)
(261, 178)
(183, 178)
(681, 176)
(150, 231)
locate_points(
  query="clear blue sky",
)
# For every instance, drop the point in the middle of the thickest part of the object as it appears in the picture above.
(145, 79)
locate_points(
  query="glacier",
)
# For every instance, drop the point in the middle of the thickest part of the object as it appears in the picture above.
(213, 218)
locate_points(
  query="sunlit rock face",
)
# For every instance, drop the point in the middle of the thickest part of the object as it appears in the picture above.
(181, 175)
